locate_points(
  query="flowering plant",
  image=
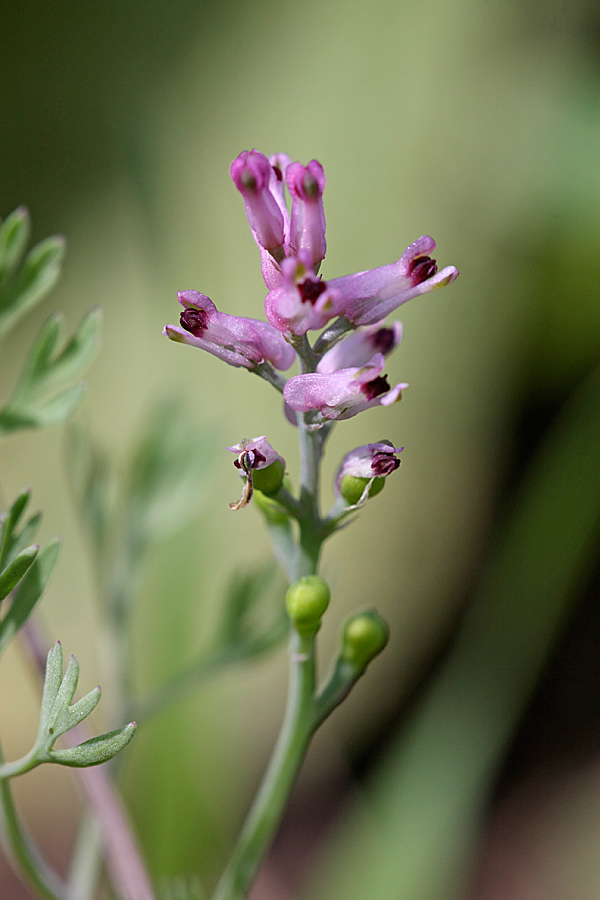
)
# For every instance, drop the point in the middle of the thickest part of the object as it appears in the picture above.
(341, 374)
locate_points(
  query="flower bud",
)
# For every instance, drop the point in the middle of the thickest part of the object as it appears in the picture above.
(365, 635)
(352, 488)
(306, 601)
(270, 479)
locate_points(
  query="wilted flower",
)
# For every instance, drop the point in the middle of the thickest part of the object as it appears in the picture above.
(253, 456)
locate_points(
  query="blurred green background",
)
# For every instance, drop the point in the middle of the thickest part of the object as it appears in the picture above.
(476, 123)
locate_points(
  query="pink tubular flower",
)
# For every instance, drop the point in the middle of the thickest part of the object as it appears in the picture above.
(344, 393)
(255, 179)
(307, 233)
(359, 347)
(302, 301)
(368, 297)
(236, 340)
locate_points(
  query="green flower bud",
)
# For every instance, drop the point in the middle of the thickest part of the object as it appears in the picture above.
(352, 487)
(269, 479)
(365, 635)
(306, 601)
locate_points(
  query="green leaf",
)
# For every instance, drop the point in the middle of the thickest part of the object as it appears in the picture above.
(41, 396)
(15, 570)
(28, 593)
(40, 271)
(14, 234)
(89, 479)
(97, 750)
(9, 522)
(253, 611)
(167, 475)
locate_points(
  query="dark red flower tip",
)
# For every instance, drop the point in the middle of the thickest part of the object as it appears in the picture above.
(376, 387)
(421, 268)
(384, 464)
(310, 290)
(194, 320)
(383, 340)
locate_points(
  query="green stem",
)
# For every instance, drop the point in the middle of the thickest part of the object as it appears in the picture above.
(269, 804)
(24, 853)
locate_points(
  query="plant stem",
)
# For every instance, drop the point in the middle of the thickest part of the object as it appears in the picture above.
(24, 853)
(269, 804)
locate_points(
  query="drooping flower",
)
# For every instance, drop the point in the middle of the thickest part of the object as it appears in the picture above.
(302, 301)
(358, 348)
(343, 393)
(368, 297)
(307, 231)
(238, 341)
(253, 457)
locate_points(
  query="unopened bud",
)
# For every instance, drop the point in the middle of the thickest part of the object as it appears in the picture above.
(306, 601)
(365, 635)
(352, 488)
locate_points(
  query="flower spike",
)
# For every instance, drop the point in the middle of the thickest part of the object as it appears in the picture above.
(238, 341)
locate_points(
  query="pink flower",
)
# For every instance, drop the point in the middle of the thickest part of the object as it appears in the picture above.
(236, 340)
(368, 297)
(343, 393)
(370, 461)
(256, 180)
(307, 232)
(359, 347)
(302, 301)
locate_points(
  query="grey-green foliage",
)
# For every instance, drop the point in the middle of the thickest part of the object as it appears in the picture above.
(24, 568)
(58, 716)
(22, 286)
(251, 621)
(161, 490)
(44, 393)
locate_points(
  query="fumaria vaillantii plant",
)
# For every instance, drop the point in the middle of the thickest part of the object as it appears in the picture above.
(341, 374)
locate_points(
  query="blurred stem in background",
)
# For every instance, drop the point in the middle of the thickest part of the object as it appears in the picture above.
(430, 796)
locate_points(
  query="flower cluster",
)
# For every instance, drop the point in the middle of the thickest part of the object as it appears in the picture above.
(342, 374)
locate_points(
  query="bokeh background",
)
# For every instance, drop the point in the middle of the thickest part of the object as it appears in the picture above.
(476, 123)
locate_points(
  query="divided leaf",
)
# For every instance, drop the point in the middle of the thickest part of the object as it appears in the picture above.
(21, 289)
(58, 716)
(42, 395)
